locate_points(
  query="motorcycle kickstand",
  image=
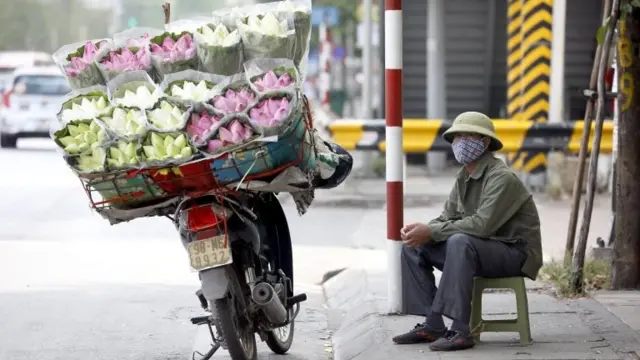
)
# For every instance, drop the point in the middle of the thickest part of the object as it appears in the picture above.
(205, 320)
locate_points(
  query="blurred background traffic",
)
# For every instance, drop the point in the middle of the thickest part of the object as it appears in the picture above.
(31, 30)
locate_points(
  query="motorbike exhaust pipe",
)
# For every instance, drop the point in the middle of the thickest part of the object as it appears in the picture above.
(265, 297)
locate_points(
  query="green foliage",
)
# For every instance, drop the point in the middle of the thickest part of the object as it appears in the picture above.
(602, 31)
(21, 26)
(596, 276)
(45, 26)
(379, 165)
(348, 9)
(625, 10)
(348, 14)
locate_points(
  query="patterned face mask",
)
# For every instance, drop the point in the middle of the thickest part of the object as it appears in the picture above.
(467, 151)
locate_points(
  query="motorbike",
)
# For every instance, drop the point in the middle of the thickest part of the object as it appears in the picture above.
(241, 247)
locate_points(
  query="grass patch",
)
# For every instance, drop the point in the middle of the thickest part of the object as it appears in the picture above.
(379, 165)
(596, 276)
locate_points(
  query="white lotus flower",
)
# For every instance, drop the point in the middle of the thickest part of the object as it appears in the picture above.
(167, 116)
(142, 98)
(220, 36)
(82, 137)
(165, 146)
(126, 122)
(92, 162)
(268, 25)
(123, 153)
(87, 109)
(191, 91)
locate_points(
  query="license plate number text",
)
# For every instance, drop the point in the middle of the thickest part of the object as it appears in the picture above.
(209, 253)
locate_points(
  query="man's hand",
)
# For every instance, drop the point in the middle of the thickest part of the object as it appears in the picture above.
(415, 235)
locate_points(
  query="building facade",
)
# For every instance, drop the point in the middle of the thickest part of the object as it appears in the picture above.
(476, 54)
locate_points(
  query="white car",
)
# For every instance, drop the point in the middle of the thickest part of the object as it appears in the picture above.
(30, 103)
(10, 60)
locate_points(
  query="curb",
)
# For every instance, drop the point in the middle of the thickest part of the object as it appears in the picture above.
(361, 328)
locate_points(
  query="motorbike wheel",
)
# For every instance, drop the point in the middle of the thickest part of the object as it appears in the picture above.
(280, 340)
(240, 339)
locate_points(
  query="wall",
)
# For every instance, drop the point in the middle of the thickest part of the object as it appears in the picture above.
(476, 55)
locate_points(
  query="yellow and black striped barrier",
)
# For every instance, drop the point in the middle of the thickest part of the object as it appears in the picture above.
(529, 70)
(421, 135)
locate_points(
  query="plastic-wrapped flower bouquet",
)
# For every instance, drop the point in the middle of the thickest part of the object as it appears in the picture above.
(220, 50)
(173, 53)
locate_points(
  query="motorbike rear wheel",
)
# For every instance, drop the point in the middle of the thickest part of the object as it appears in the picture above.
(280, 340)
(239, 337)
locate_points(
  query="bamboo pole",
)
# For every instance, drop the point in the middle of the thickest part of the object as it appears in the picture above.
(582, 154)
(578, 257)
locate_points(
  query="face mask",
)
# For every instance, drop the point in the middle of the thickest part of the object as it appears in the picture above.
(467, 151)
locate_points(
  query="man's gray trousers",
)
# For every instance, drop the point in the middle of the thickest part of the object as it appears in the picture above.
(460, 258)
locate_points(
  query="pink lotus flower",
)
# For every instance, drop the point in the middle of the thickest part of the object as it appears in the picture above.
(200, 125)
(80, 64)
(214, 145)
(126, 60)
(271, 81)
(233, 101)
(231, 134)
(170, 50)
(269, 112)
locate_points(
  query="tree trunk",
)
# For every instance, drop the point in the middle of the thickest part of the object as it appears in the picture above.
(626, 263)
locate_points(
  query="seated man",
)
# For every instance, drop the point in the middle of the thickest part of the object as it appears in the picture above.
(489, 228)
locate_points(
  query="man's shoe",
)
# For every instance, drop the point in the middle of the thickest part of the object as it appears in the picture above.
(420, 334)
(452, 341)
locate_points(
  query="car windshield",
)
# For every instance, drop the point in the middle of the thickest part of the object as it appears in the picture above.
(41, 85)
(5, 76)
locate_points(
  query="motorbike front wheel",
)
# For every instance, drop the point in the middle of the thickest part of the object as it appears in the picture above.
(238, 335)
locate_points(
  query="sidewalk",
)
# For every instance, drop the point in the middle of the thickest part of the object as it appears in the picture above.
(581, 329)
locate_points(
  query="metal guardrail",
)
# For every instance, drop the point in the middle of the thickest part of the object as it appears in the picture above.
(422, 135)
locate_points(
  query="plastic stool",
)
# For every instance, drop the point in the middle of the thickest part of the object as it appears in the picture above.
(519, 325)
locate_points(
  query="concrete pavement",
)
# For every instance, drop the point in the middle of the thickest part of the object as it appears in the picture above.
(582, 329)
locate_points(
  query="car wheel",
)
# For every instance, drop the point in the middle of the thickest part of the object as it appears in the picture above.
(8, 141)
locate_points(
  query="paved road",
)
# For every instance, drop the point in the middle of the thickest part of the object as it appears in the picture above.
(73, 287)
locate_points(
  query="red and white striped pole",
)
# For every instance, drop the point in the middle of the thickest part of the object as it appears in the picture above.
(326, 49)
(394, 153)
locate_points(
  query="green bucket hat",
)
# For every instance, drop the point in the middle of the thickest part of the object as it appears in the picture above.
(475, 123)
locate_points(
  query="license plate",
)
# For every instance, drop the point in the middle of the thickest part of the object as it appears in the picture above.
(209, 253)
